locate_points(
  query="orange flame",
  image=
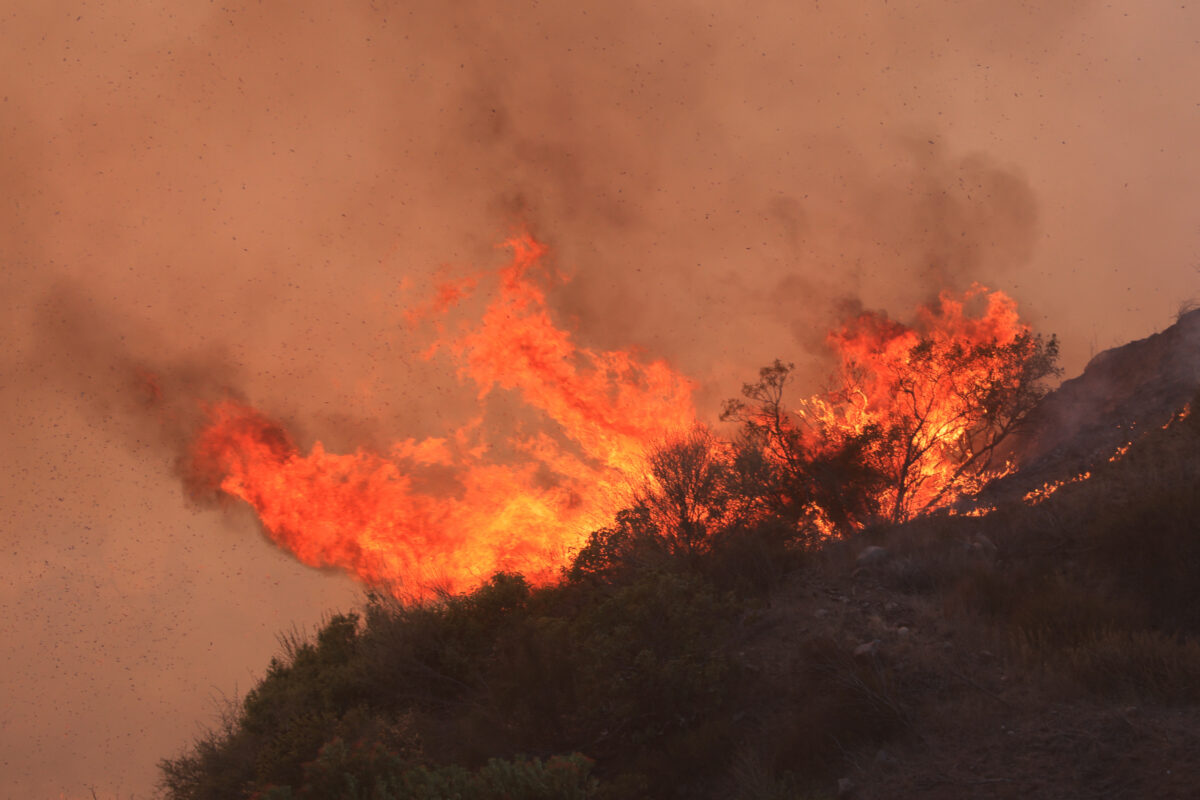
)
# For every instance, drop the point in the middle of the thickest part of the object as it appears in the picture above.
(926, 390)
(377, 516)
(1042, 493)
(444, 513)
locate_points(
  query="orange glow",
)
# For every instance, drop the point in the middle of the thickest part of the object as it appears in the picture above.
(1183, 414)
(384, 519)
(924, 389)
(1043, 492)
(980, 511)
(445, 512)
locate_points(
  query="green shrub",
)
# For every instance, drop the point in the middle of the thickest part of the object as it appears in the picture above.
(220, 765)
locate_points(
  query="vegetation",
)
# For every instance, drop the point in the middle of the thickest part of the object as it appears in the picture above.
(898, 436)
(708, 644)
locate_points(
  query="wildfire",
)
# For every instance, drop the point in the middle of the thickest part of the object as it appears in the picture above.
(1042, 493)
(372, 513)
(1180, 416)
(929, 403)
(911, 427)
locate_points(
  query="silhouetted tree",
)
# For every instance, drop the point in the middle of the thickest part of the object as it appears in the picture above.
(954, 403)
(691, 492)
(793, 465)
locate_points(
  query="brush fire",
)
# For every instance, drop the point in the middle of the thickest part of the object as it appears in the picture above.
(913, 424)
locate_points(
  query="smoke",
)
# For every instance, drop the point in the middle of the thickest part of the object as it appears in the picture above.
(275, 163)
(244, 198)
(108, 364)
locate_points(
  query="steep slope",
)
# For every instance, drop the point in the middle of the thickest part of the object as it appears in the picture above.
(1039, 651)
(1121, 392)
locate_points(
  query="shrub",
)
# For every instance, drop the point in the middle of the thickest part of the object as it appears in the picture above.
(630, 542)
(345, 772)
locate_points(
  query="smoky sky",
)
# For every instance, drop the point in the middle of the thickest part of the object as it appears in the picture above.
(247, 196)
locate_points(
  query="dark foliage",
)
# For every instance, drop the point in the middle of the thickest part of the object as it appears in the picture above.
(631, 678)
(781, 468)
(1098, 583)
(625, 672)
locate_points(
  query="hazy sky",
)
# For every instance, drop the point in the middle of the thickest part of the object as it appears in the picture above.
(248, 194)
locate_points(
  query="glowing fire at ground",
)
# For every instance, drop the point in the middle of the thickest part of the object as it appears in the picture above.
(1042, 493)
(364, 512)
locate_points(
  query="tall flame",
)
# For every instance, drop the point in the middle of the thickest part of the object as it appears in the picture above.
(372, 513)
(938, 395)
(930, 400)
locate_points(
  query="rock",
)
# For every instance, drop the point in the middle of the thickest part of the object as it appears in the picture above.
(871, 556)
(903, 630)
(821, 613)
(867, 649)
(845, 787)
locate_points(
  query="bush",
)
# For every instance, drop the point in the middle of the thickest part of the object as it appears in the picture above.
(282, 722)
(345, 772)
(631, 542)
(636, 675)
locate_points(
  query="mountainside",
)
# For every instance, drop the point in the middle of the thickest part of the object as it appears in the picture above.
(1120, 393)
(1047, 650)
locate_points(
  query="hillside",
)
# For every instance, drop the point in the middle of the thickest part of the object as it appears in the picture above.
(1040, 651)
(1120, 393)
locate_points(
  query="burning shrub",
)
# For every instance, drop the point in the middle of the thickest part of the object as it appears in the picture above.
(915, 419)
(786, 468)
(702, 506)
